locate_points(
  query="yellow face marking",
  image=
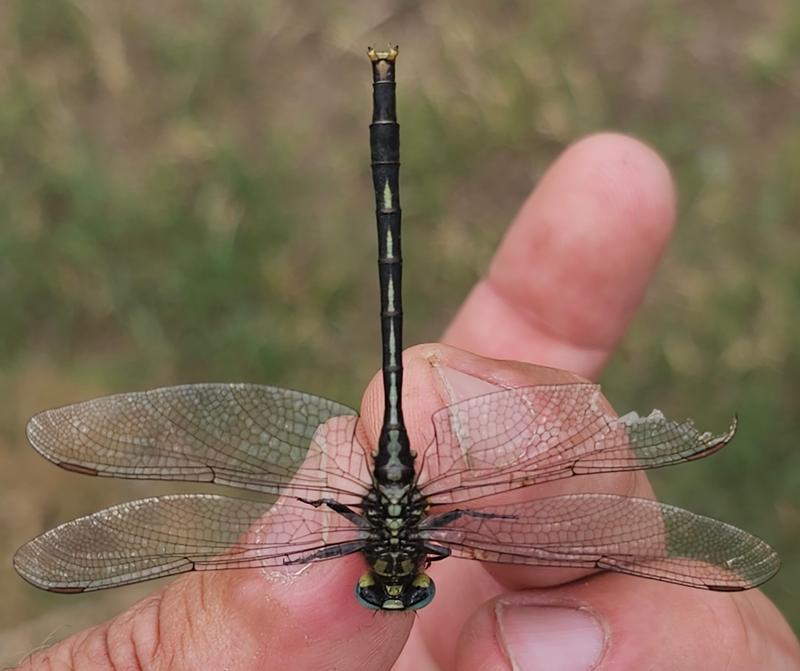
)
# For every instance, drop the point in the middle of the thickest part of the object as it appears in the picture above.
(422, 580)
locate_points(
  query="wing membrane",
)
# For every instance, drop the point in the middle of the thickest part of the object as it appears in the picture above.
(249, 436)
(618, 533)
(155, 537)
(523, 436)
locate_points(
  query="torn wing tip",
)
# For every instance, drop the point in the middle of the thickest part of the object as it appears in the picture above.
(727, 436)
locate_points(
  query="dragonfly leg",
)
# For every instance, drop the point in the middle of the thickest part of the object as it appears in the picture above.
(436, 552)
(452, 515)
(337, 507)
(328, 552)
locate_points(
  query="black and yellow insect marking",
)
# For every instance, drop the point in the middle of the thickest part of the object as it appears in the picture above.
(394, 508)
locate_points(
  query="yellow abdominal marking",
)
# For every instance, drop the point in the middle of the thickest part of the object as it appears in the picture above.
(390, 296)
(389, 55)
(387, 197)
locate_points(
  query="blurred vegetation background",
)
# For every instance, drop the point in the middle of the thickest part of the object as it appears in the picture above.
(185, 196)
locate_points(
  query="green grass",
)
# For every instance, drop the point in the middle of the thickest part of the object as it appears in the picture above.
(185, 196)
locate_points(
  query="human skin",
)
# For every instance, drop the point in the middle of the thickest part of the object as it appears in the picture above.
(561, 291)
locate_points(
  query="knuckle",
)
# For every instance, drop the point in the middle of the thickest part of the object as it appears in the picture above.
(132, 639)
(130, 642)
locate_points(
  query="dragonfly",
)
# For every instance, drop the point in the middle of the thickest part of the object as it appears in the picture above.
(401, 509)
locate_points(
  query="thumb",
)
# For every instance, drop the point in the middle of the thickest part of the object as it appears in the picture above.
(614, 622)
(241, 620)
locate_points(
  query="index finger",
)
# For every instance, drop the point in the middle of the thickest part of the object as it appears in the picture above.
(561, 291)
(575, 264)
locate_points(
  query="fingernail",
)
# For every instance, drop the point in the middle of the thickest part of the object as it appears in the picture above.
(457, 386)
(556, 638)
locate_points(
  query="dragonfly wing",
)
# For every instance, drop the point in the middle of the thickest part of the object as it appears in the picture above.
(629, 535)
(249, 436)
(523, 436)
(156, 537)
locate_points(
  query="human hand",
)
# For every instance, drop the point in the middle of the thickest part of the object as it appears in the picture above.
(561, 291)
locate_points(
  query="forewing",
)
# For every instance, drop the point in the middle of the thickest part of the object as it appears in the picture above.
(635, 536)
(529, 435)
(155, 537)
(249, 436)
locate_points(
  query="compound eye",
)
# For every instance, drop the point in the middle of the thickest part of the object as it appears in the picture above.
(420, 593)
(368, 593)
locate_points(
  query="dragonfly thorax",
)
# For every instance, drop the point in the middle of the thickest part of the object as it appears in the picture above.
(394, 550)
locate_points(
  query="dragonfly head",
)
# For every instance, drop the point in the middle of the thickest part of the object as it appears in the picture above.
(375, 594)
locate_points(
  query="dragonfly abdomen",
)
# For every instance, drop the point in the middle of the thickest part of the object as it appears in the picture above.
(394, 462)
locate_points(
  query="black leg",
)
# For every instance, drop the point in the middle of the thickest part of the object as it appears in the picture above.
(337, 507)
(328, 552)
(452, 515)
(436, 552)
